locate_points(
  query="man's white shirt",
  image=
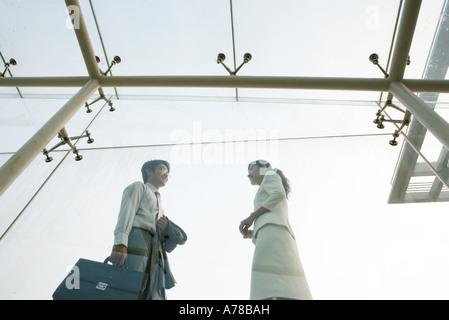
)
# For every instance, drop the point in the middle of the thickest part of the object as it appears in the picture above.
(138, 209)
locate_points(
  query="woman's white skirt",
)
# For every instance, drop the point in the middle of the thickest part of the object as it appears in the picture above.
(277, 271)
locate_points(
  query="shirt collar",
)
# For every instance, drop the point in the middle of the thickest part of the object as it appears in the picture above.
(150, 185)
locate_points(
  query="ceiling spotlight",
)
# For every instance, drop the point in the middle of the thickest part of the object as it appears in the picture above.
(381, 119)
(221, 57)
(12, 62)
(374, 58)
(116, 60)
(66, 140)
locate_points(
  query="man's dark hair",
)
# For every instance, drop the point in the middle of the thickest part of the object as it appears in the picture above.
(152, 164)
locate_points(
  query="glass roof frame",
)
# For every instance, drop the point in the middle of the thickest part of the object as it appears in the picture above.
(394, 83)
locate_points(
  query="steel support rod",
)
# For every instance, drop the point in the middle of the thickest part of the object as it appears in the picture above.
(44, 81)
(427, 85)
(319, 83)
(407, 25)
(20, 160)
(83, 39)
(425, 115)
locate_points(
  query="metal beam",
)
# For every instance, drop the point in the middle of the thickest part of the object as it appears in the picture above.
(364, 84)
(427, 85)
(404, 39)
(20, 160)
(318, 83)
(44, 82)
(425, 114)
(443, 170)
(84, 40)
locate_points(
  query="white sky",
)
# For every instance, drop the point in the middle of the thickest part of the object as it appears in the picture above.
(353, 245)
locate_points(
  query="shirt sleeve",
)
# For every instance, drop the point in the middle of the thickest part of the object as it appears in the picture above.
(272, 184)
(128, 208)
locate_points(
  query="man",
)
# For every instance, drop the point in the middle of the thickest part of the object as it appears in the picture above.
(143, 233)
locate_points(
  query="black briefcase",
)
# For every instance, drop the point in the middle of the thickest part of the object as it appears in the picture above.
(92, 280)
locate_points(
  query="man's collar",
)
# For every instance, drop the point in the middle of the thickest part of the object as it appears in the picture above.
(151, 186)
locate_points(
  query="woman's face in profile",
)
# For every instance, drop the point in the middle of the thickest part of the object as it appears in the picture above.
(256, 174)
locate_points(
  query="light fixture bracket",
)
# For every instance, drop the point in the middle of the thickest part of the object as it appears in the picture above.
(65, 139)
(401, 124)
(221, 57)
(12, 62)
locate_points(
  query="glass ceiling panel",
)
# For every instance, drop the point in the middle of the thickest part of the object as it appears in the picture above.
(313, 38)
(308, 38)
(20, 119)
(311, 41)
(162, 38)
(35, 34)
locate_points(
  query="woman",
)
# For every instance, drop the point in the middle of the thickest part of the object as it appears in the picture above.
(277, 272)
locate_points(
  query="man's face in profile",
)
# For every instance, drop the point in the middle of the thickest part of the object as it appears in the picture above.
(159, 177)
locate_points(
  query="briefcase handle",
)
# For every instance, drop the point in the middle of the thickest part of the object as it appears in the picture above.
(125, 265)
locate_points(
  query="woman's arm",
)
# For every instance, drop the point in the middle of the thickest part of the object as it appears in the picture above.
(272, 183)
(248, 222)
